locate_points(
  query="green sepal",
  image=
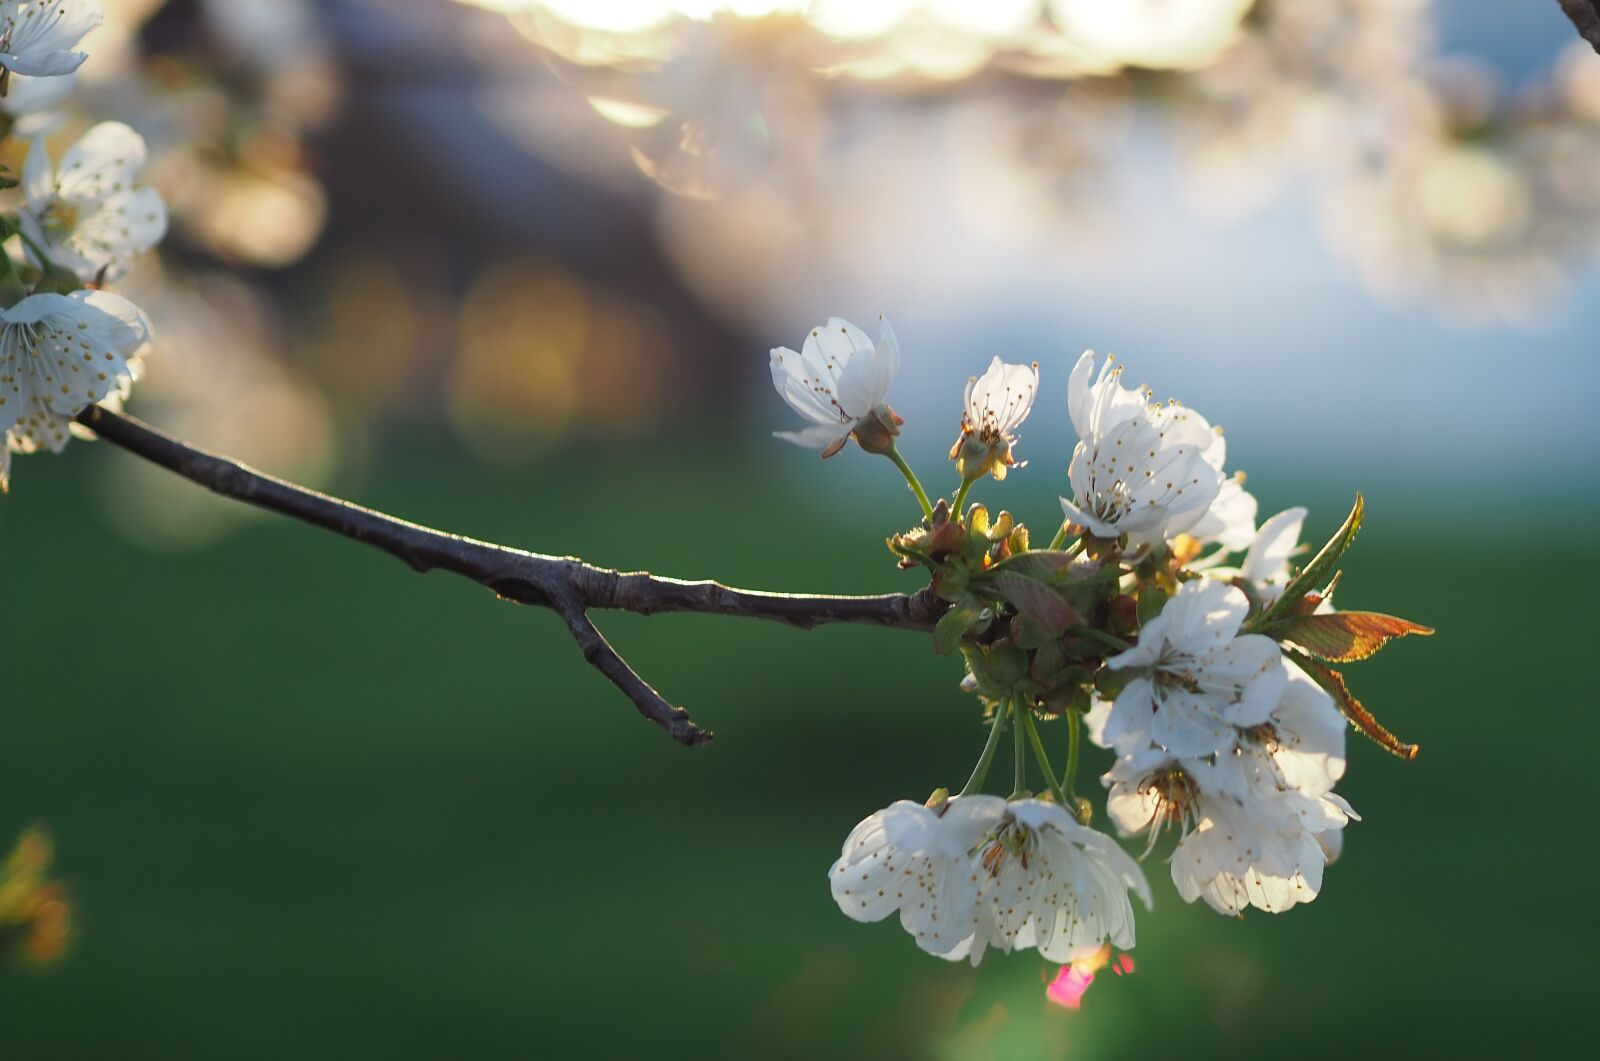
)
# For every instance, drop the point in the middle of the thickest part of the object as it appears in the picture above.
(954, 623)
(1109, 682)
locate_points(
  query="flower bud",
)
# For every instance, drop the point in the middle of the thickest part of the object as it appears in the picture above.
(1017, 541)
(1083, 810)
(1008, 664)
(947, 539)
(1122, 615)
(978, 519)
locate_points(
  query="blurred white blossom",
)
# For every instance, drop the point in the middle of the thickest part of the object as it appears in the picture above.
(91, 215)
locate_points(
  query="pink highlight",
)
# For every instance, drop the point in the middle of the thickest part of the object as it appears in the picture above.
(1068, 987)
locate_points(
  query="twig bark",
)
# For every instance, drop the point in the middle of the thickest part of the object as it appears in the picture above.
(566, 585)
(1585, 15)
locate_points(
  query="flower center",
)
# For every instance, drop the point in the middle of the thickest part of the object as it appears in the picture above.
(58, 220)
(1013, 839)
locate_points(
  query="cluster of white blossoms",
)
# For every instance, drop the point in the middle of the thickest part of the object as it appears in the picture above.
(66, 343)
(1161, 620)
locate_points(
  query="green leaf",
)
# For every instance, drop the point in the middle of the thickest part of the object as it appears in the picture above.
(1343, 637)
(1321, 567)
(1152, 598)
(1036, 600)
(1352, 709)
(954, 624)
(1032, 635)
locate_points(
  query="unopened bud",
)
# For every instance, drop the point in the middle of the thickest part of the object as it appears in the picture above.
(1008, 664)
(947, 539)
(1082, 810)
(1122, 615)
(1185, 547)
(1017, 542)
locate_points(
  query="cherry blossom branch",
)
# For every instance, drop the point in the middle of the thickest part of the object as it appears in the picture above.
(1585, 15)
(566, 585)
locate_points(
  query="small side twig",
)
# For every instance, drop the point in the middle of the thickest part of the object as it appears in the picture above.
(566, 585)
(599, 653)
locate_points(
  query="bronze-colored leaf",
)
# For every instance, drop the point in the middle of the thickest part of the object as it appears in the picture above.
(1343, 637)
(1359, 716)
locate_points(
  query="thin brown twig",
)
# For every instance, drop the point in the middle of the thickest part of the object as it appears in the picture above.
(565, 584)
(1585, 15)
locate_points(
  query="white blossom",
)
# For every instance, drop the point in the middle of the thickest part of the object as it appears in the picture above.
(37, 37)
(29, 103)
(1258, 823)
(910, 859)
(994, 406)
(1045, 881)
(1197, 679)
(839, 377)
(1138, 469)
(90, 215)
(1266, 563)
(982, 873)
(60, 354)
(1229, 522)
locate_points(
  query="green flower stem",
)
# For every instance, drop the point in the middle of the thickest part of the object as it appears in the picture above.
(981, 771)
(1019, 752)
(961, 495)
(38, 251)
(12, 289)
(1109, 640)
(1061, 535)
(1044, 760)
(1070, 784)
(911, 478)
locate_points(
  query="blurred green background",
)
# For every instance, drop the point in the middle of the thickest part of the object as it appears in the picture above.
(495, 268)
(312, 805)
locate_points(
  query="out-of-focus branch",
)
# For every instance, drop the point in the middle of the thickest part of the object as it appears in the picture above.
(566, 585)
(1585, 14)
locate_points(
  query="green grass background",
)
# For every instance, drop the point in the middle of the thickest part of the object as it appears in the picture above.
(312, 805)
